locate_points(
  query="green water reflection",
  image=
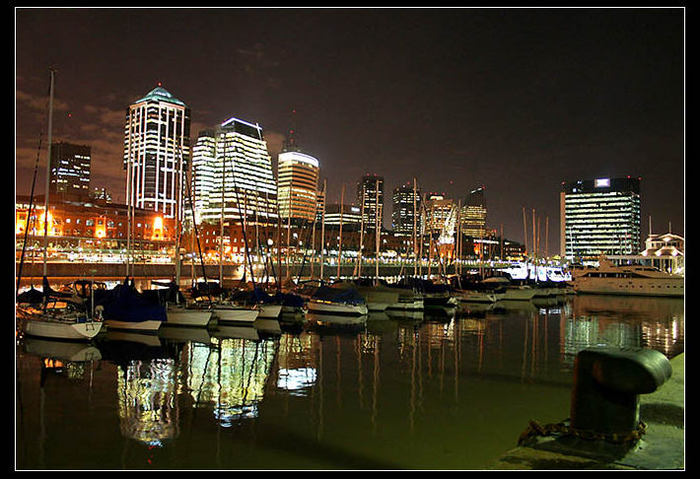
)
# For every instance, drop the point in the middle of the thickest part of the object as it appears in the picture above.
(400, 392)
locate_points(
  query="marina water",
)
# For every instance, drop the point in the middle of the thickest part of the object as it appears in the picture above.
(436, 391)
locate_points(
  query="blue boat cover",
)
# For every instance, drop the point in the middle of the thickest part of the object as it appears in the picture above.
(338, 295)
(125, 303)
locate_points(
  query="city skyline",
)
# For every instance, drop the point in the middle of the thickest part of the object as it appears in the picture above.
(454, 97)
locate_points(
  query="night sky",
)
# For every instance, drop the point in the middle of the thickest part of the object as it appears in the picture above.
(516, 100)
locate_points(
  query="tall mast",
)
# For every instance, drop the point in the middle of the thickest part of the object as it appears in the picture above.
(48, 175)
(178, 231)
(377, 232)
(362, 236)
(525, 229)
(323, 228)
(415, 246)
(340, 236)
(221, 218)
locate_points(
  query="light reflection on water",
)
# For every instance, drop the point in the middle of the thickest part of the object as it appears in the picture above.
(443, 391)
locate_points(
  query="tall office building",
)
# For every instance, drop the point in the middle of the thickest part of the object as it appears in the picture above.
(373, 203)
(70, 171)
(600, 216)
(231, 164)
(297, 180)
(438, 211)
(474, 214)
(157, 152)
(403, 214)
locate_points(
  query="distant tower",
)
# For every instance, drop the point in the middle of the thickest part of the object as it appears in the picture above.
(600, 216)
(157, 152)
(297, 179)
(474, 214)
(70, 171)
(367, 195)
(232, 163)
(402, 214)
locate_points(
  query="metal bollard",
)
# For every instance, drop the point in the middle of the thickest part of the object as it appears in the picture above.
(607, 384)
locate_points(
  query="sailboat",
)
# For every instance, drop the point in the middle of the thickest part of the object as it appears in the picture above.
(58, 316)
(177, 311)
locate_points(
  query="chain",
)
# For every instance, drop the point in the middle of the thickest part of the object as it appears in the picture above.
(536, 429)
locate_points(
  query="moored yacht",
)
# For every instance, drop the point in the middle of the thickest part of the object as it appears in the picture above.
(629, 280)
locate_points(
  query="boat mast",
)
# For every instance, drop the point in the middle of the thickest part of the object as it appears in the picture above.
(178, 226)
(221, 218)
(377, 233)
(323, 228)
(415, 246)
(340, 236)
(362, 236)
(48, 175)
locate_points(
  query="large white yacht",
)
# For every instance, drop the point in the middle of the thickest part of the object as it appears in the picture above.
(628, 280)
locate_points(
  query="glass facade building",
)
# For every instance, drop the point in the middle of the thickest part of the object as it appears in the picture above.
(297, 183)
(70, 170)
(403, 213)
(474, 214)
(600, 216)
(232, 175)
(373, 205)
(157, 152)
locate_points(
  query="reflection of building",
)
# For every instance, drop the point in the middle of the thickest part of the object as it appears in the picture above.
(600, 216)
(402, 216)
(370, 193)
(70, 171)
(232, 164)
(230, 379)
(157, 152)
(148, 401)
(297, 365)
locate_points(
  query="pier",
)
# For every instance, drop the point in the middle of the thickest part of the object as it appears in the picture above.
(662, 447)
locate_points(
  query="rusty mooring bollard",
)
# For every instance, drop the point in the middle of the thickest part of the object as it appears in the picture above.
(607, 385)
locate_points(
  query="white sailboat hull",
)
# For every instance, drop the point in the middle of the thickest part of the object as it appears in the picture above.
(235, 315)
(188, 317)
(337, 308)
(414, 305)
(466, 296)
(519, 294)
(270, 311)
(148, 326)
(61, 330)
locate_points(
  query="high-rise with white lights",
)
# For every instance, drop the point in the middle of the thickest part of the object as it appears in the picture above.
(231, 165)
(370, 197)
(70, 171)
(474, 214)
(600, 216)
(157, 152)
(402, 215)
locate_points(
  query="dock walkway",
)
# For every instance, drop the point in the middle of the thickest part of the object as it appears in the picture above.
(662, 447)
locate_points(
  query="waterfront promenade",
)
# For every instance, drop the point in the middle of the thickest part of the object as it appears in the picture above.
(662, 447)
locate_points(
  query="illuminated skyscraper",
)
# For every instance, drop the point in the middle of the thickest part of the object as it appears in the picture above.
(438, 210)
(474, 214)
(402, 214)
(373, 206)
(600, 216)
(232, 164)
(157, 152)
(70, 171)
(297, 180)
